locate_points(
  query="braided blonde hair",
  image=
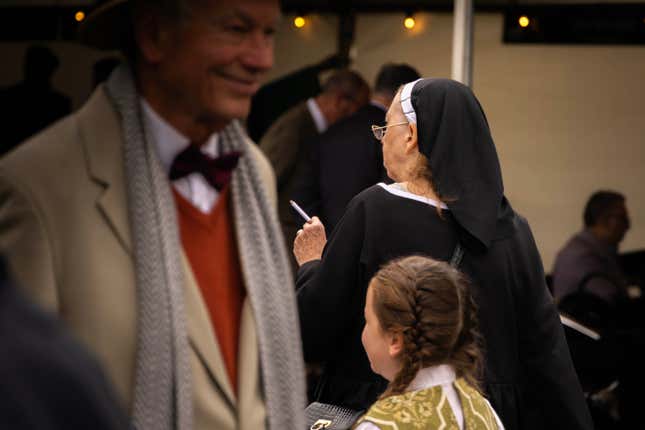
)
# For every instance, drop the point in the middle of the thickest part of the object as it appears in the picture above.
(429, 303)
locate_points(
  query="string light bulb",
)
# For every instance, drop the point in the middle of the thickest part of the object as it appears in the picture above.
(524, 21)
(79, 16)
(299, 21)
(409, 22)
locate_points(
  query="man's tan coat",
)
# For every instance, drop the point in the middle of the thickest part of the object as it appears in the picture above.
(65, 232)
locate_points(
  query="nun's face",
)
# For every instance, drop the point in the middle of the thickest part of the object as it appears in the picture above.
(396, 156)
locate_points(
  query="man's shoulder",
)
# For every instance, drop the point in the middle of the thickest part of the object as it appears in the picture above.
(294, 118)
(293, 114)
(355, 130)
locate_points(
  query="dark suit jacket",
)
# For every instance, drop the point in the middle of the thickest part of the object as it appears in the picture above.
(345, 160)
(287, 144)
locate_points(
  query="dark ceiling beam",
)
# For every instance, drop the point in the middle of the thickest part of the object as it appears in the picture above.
(385, 6)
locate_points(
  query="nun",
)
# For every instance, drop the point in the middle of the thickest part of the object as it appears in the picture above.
(447, 201)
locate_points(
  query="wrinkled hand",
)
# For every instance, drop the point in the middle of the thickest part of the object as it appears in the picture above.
(310, 241)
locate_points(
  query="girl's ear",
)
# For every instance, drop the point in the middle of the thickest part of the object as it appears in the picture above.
(395, 347)
(412, 143)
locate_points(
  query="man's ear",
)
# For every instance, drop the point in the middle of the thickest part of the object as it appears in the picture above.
(395, 347)
(412, 143)
(150, 36)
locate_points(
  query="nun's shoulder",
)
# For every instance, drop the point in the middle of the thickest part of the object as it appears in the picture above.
(513, 227)
(368, 201)
(377, 193)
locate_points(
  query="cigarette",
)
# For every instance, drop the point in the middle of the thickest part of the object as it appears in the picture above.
(299, 210)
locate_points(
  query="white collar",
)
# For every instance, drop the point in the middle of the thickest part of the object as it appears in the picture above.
(432, 376)
(399, 190)
(317, 115)
(168, 140)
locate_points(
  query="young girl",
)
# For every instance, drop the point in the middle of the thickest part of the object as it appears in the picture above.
(421, 335)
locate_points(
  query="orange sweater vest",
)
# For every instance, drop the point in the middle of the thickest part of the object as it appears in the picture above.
(209, 243)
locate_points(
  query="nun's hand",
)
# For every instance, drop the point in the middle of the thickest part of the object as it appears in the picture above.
(310, 241)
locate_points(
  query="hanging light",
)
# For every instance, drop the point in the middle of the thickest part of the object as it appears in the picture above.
(524, 21)
(79, 16)
(409, 22)
(299, 21)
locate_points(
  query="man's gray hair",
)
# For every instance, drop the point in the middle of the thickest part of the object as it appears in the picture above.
(348, 83)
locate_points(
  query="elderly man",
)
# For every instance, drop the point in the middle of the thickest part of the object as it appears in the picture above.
(147, 221)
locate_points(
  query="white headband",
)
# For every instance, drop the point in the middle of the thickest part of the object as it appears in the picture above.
(406, 102)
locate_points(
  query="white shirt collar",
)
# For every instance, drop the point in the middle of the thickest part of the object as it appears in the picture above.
(317, 115)
(432, 376)
(168, 140)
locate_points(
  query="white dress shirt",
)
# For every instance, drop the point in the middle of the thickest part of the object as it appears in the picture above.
(428, 377)
(170, 142)
(317, 115)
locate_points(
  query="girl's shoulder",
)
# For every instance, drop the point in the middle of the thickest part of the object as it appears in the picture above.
(478, 412)
(429, 408)
(425, 408)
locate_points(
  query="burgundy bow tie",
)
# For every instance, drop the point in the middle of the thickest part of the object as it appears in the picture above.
(217, 171)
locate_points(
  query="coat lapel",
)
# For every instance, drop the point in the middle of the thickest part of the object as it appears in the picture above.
(100, 136)
(202, 337)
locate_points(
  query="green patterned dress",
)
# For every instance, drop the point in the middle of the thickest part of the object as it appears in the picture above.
(429, 408)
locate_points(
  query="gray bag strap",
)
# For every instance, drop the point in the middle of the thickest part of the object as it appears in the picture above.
(457, 256)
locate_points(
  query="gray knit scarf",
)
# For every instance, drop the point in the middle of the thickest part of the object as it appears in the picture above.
(162, 392)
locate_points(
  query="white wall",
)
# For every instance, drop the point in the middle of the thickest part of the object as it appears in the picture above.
(567, 120)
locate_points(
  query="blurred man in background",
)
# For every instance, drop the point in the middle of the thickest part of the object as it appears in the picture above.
(289, 141)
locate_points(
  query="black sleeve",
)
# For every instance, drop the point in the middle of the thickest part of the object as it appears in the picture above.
(329, 290)
(552, 384)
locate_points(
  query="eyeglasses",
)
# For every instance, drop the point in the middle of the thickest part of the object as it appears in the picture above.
(379, 131)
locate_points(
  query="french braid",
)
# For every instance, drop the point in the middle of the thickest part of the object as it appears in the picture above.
(429, 303)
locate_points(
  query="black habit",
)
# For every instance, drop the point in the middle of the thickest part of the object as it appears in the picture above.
(529, 377)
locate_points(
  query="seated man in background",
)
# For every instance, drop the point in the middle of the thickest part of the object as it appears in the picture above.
(590, 258)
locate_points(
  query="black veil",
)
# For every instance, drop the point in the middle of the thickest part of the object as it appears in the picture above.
(453, 134)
